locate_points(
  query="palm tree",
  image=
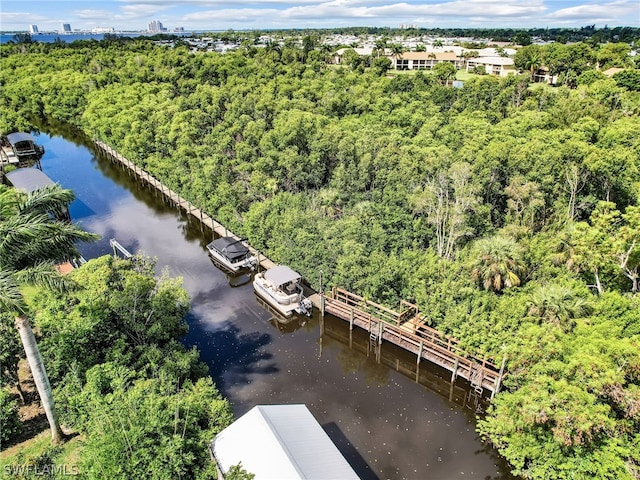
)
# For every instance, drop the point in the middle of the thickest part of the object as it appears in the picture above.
(271, 47)
(529, 58)
(444, 71)
(498, 263)
(380, 47)
(558, 305)
(32, 239)
(533, 63)
(396, 51)
(437, 43)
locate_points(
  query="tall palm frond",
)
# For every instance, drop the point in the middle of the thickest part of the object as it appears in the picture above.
(498, 263)
(558, 305)
(8, 203)
(11, 299)
(46, 275)
(49, 199)
(32, 238)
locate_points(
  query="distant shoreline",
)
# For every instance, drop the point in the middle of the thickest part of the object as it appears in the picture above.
(69, 37)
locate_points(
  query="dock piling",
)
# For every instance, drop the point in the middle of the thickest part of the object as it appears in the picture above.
(172, 198)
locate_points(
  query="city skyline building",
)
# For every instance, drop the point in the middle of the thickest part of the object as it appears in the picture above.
(66, 28)
(33, 29)
(156, 27)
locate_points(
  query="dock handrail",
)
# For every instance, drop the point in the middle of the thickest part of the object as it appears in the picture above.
(425, 341)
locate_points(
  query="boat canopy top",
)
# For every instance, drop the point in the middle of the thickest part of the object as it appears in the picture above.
(17, 137)
(230, 247)
(281, 275)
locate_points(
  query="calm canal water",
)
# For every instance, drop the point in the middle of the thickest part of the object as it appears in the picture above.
(387, 424)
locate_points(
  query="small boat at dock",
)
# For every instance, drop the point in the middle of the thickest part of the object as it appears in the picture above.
(281, 287)
(231, 253)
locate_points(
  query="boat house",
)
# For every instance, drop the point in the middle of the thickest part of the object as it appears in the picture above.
(279, 442)
(20, 149)
(28, 179)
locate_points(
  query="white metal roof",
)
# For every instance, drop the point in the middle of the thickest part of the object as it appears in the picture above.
(504, 61)
(359, 51)
(280, 442)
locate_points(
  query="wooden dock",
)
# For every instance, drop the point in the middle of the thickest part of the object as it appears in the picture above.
(407, 330)
(179, 202)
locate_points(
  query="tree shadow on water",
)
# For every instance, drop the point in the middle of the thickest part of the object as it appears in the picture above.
(232, 356)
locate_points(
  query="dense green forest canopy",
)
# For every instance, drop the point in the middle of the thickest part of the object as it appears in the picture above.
(508, 211)
(121, 377)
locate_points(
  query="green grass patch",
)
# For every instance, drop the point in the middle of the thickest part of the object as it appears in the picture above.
(38, 451)
(464, 75)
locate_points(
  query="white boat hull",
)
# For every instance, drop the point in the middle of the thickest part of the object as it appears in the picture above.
(233, 266)
(284, 303)
(285, 307)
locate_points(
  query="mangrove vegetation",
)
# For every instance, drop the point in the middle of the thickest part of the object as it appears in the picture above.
(506, 210)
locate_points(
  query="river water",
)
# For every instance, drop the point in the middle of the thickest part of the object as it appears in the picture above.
(388, 418)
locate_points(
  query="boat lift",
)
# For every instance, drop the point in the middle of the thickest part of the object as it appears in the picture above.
(117, 247)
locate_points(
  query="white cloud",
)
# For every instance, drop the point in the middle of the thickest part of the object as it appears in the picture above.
(140, 10)
(93, 14)
(265, 14)
(224, 3)
(458, 8)
(7, 18)
(614, 10)
(240, 14)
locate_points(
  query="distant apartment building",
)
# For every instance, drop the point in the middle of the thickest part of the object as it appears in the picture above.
(66, 28)
(33, 29)
(156, 27)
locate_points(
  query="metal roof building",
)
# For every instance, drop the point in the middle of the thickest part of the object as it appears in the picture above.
(28, 179)
(280, 442)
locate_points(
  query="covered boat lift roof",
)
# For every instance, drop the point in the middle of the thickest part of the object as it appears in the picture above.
(281, 275)
(28, 179)
(17, 137)
(280, 442)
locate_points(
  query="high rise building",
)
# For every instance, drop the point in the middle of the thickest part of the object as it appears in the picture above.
(66, 28)
(156, 27)
(33, 29)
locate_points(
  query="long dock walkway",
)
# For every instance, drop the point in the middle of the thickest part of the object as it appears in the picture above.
(180, 202)
(407, 330)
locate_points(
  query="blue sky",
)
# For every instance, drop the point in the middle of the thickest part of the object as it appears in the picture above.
(258, 14)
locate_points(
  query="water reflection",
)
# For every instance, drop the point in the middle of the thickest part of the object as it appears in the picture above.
(358, 350)
(235, 279)
(387, 424)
